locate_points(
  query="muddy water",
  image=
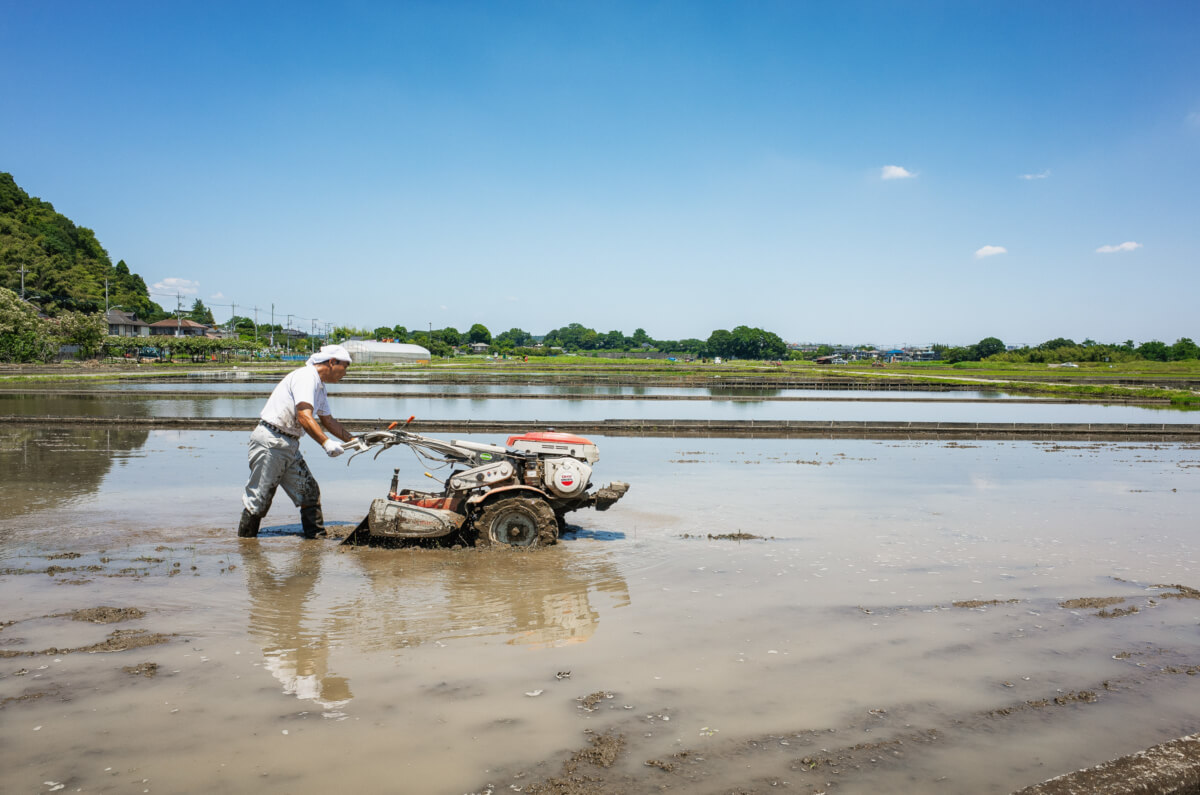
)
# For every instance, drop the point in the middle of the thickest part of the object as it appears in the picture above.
(898, 625)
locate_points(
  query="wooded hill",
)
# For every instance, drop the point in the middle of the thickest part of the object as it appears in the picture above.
(65, 266)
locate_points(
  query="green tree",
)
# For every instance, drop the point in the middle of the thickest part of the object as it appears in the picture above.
(612, 341)
(720, 343)
(1154, 350)
(513, 338)
(1184, 349)
(399, 333)
(24, 337)
(746, 342)
(959, 354)
(478, 333)
(85, 330)
(572, 337)
(201, 314)
(383, 332)
(989, 346)
(450, 336)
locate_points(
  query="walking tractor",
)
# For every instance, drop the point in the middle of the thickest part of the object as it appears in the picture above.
(518, 494)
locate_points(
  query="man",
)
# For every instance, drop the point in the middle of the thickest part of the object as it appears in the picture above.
(275, 458)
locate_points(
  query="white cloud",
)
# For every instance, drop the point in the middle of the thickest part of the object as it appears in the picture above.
(895, 172)
(1043, 175)
(173, 285)
(990, 251)
(1128, 245)
(217, 296)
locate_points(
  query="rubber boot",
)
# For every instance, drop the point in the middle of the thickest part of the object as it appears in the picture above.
(248, 526)
(312, 521)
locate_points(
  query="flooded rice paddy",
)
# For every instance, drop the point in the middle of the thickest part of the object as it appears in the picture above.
(208, 400)
(963, 617)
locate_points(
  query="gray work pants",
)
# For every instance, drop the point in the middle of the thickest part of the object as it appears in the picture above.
(275, 461)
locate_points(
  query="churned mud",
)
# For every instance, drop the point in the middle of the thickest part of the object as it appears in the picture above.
(147, 669)
(107, 615)
(1092, 601)
(972, 603)
(738, 536)
(118, 640)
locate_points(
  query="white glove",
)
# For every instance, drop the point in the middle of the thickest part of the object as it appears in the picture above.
(333, 448)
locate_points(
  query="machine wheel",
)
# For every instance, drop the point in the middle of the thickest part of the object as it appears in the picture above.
(517, 521)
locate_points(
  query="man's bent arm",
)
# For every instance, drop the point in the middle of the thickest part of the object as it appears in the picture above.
(304, 415)
(335, 428)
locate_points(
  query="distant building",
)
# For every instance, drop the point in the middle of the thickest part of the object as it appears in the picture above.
(372, 352)
(125, 324)
(179, 327)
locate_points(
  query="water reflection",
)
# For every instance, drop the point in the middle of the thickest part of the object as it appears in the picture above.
(48, 467)
(517, 409)
(279, 601)
(305, 603)
(539, 598)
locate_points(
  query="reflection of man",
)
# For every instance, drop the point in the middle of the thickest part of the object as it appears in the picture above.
(275, 458)
(297, 657)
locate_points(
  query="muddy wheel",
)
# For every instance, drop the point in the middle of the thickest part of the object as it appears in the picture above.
(517, 521)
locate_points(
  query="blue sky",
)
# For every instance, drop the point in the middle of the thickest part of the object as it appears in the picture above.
(852, 172)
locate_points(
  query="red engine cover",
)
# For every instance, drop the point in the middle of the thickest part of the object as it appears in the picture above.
(548, 436)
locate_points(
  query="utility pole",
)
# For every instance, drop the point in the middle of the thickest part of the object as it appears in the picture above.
(288, 333)
(23, 281)
(233, 317)
(178, 315)
(106, 295)
(272, 324)
(312, 333)
(256, 325)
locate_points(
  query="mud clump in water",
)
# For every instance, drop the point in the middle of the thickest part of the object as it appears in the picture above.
(106, 615)
(984, 602)
(1121, 611)
(23, 697)
(147, 669)
(1091, 602)
(118, 640)
(738, 536)
(1182, 592)
(603, 752)
(589, 702)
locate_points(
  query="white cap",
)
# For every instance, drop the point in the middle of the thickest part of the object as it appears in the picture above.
(328, 352)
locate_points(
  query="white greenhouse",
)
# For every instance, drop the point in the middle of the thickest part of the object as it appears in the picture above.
(372, 352)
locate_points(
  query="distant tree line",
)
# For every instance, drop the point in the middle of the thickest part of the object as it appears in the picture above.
(1060, 349)
(744, 342)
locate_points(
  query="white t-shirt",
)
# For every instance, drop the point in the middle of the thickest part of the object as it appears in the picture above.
(299, 386)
